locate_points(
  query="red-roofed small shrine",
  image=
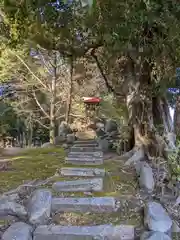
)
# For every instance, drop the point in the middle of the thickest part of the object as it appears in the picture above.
(91, 100)
(91, 104)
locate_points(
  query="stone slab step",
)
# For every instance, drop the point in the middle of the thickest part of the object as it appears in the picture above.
(82, 205)
(89, 163)
(86, 154)
(101, 232)
(84, 141)
(83, 172)
(84, 161)
(85, 149)
(84, 158)
(83, 185)
(86, 145)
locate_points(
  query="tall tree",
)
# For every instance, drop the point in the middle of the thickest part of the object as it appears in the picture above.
(40, 80)
(138, 35)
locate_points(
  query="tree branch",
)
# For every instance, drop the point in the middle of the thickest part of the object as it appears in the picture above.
(2, 15)
(57, 111)
(44, 62)
(62, 116)
(23, 62)
(39, 105)
(40, 123)
(109, 87)
(77, 52)
(57, 103)
(76, 115)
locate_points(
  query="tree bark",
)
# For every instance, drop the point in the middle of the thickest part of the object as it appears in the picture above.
(163, 120)
(52, 130)
(177, 118)
(30, 134)
(140, 108)
(139, 103)
(69, 98)
(169, 134)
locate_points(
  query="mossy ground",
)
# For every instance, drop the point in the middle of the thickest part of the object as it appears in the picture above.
(38, 163)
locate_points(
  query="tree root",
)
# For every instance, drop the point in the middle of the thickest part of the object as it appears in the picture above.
(134, 155)
(123, 157)
(138, 155)
(127, 155)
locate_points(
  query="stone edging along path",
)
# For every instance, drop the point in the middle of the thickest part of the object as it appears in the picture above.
(157, 222)
(33, 219)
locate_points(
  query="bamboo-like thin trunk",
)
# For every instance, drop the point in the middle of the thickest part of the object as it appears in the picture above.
(52, 131)
(30, 133)
(69, 98)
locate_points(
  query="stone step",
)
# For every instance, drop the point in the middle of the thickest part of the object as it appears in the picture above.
(85, 149)
(86, 154)
(84, 141)
(83, 185)
(84, 160)
(82, 205)
(86, 145)
(83, 172)
(90, 163)
(101, 232)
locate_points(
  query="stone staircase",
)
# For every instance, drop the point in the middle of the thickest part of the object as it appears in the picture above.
(84, 153)
(80, 206)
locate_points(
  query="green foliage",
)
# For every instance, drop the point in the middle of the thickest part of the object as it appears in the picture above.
(174, 161)
(8, 120)
(10, 67)
(110, 109)
(48, 23)
(118, 23)
(171, 98)
(39, 133)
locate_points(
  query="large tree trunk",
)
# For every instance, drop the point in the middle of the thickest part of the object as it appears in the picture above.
(139, 103)
(140, 107)
(148, 142)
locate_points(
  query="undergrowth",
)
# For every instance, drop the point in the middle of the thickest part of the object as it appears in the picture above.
(174, 162)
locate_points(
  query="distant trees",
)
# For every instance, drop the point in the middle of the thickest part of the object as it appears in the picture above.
(40, 85)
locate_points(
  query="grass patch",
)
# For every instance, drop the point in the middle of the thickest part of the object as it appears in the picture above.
(38, 163)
